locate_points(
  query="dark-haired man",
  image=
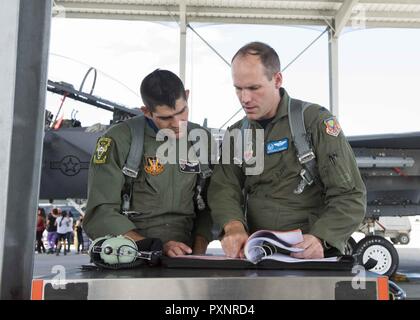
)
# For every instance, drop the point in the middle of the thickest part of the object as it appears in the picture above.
(327, 209)
(162, 195)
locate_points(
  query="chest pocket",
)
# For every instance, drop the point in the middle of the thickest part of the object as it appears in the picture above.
(146, 195)
(185, 189)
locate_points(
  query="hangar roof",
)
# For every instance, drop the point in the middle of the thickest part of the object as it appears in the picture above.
(336, 13)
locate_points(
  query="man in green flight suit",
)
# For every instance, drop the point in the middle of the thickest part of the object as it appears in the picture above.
(162, 204)
(327, 212)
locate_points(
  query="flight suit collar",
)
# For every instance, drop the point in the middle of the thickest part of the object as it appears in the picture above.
(150, 129)
(282, 110)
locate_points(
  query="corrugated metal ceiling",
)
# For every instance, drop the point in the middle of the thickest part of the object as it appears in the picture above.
(368, 13)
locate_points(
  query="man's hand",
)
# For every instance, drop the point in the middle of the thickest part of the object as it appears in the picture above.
(175, 248)
(200, 245)
(313, 248)
(234, 240)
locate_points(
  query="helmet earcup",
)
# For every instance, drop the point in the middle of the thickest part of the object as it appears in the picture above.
(95, 256)
(118, 250)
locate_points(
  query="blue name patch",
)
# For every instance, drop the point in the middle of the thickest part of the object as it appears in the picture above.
(277, 146)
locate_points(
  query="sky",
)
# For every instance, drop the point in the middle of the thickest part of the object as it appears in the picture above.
(379, 69)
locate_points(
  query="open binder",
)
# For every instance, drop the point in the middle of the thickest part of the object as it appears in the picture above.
(219, 262)
(264, 249)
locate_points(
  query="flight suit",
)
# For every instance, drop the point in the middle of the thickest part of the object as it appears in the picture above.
(162, 193)
(331, 210)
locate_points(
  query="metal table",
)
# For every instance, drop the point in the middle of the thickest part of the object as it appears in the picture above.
(215, 284)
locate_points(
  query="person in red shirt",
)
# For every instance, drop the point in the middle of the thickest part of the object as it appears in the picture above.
(40, 227)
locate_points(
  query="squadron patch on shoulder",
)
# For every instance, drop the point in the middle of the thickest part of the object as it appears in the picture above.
(153, 166)
(332, 127)
(102, 150)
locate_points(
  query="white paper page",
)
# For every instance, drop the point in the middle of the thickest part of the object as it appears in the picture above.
(258, 242)
(255, 250)
(291, 237)
(285, 258)
(211, 257)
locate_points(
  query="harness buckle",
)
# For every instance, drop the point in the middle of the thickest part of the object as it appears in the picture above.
(306, 157)
(307, 181)
(131, 214)
(130, 172)
(304, 182)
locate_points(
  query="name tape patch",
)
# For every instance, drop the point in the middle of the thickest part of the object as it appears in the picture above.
(189, 166)
(277, 146)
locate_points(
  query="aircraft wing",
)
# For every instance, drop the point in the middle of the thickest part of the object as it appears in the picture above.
(65, 162)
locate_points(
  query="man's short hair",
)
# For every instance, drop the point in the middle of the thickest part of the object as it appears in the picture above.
(161, 87)
(267, 55)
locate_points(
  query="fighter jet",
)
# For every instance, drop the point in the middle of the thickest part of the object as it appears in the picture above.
(68, 146)
(389, 164)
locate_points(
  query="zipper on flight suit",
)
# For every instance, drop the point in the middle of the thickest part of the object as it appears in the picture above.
(333, 158)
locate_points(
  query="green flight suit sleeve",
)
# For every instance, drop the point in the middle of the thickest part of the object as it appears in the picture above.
(105, 183)
(225, 194)
(345, 192)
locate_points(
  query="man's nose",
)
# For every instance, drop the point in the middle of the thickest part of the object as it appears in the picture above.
(177, 121)
(245, 96)
(177, 118)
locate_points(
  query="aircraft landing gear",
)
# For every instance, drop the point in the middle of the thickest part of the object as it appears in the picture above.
(381, 250)
(350, 246)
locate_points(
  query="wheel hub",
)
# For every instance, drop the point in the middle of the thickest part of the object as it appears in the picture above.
(380, 254)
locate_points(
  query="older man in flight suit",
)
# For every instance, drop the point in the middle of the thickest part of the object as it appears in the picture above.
(162, 204)
(327, 212)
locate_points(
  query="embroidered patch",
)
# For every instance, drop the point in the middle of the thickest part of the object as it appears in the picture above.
(189, 166)
(152, 166)
(102, 150)
(332, 127)
(277, 146)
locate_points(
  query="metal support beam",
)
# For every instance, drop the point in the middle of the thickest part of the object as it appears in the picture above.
(24, 39)
(333, 71)
(343, 16)
(9, 22)
(182, 39)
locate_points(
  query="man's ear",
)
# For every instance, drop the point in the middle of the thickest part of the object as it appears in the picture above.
(187, 94)
(278, 80)
(146, 111)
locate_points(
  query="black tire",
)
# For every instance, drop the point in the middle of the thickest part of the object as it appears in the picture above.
(350, 246)
(404, 238)
(381, 250)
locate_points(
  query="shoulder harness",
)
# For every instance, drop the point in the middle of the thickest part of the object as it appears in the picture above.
(132, 165)
(302, 142)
